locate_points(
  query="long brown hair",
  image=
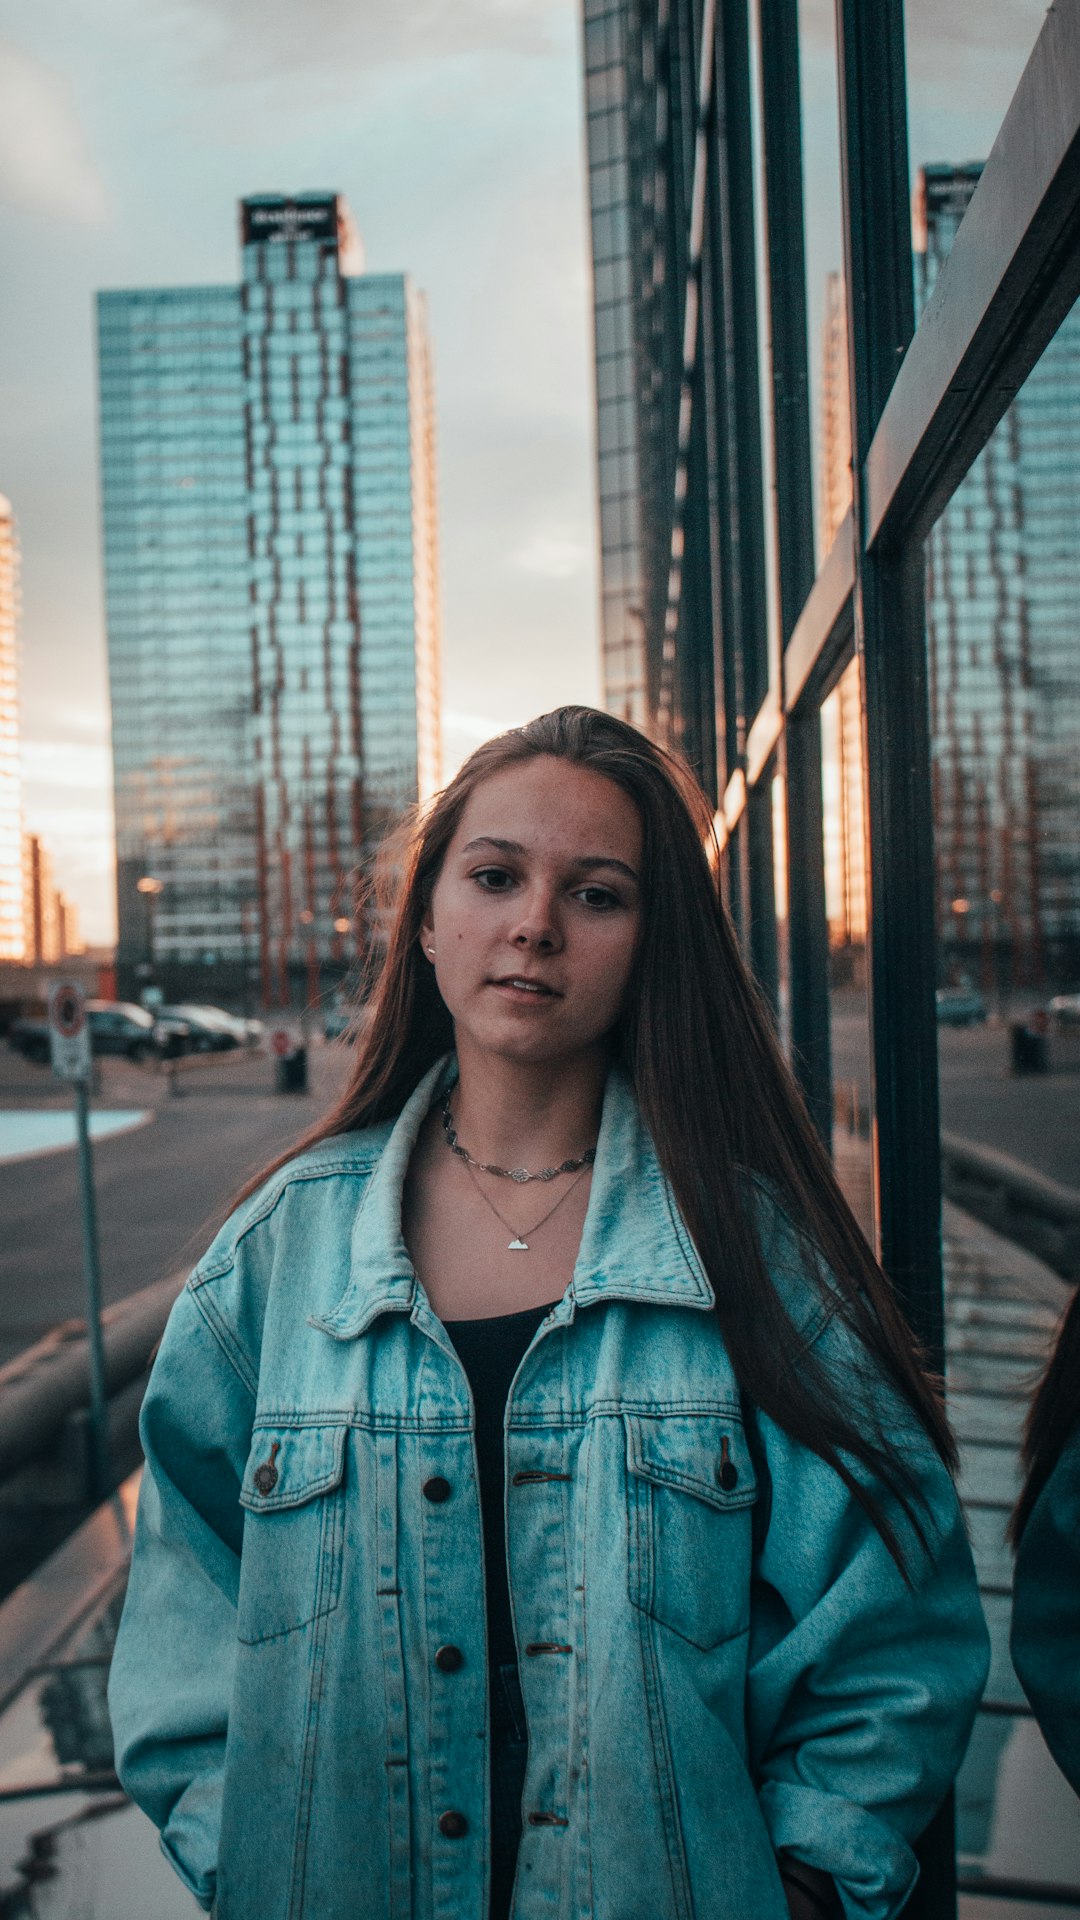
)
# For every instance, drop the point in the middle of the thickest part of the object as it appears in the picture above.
(1053, 1417)
(713, 1088)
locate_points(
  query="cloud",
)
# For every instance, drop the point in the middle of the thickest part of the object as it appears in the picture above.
(263, 39)
(937, 30)
(554, 555)
(45, 164)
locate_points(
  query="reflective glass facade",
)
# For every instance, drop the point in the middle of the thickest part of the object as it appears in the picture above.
(1005, 665)
(12, 941)
(269, 526)
(883, 705)
(619, 474)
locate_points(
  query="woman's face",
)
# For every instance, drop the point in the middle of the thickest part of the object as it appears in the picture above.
(536, 912)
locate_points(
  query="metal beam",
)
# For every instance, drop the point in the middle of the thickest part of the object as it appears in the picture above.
(1010, 279)
(820, 645)
(890, 636)
(799, 744)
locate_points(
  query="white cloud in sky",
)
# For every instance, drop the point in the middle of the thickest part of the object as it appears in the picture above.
(45, 163)
(257, 39)
(553, 555)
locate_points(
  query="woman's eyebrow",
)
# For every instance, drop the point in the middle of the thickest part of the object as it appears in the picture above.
(587, 863)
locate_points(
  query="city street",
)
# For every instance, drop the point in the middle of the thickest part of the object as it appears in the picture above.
(162, 1188)
(1035, 1118)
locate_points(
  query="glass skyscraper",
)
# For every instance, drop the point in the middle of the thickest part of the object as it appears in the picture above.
(1003, 568)
(268, 485)
(12, 945)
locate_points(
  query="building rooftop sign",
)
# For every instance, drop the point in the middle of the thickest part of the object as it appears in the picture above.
(269, 222)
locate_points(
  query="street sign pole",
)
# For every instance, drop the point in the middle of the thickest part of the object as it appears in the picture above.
(69, 1040)
(99, 1423)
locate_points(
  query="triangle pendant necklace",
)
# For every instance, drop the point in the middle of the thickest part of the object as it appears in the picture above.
(519, 1244)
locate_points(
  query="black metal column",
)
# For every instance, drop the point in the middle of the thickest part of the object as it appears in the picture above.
(890, 634)
(793, 521)
(733, 350)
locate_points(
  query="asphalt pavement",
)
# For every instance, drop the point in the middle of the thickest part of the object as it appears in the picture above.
(162, 1189)
(1033, 1117)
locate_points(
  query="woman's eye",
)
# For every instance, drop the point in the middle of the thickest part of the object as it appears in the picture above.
(492, 878)
(599, 897)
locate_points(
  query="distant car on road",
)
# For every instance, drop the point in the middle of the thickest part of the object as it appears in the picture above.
(960, 1007)
(116, 1027)
(1065, 1009)
(210, 1029)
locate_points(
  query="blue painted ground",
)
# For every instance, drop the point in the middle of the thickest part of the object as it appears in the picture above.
(24, 1135)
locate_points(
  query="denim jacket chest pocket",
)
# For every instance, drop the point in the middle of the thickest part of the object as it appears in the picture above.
(293, 1497)
(691, 1489)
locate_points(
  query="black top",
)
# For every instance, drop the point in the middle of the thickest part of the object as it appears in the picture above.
(491, 1352)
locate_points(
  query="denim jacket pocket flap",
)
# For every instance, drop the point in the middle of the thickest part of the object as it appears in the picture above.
(294, 1496)
(704, 1454)
(690, 1489)
(289, 1465)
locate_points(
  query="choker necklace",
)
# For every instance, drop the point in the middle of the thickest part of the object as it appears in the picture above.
(519, 1243)
(518, 1174)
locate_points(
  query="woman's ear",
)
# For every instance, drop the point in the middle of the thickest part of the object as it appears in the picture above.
(426, 937)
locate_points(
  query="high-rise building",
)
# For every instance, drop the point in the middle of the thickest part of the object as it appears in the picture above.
(12, 945)
(1003, 578)
(620, 478)
(268, 477)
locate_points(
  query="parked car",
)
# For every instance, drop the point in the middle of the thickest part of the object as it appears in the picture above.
(1064, 1008)
(119, 1026)
(172, 1037)
(210, 1029)
(960, 1007)
(30, 1037)
(116, 1027)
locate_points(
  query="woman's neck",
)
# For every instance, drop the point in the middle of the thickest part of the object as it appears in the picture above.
(522, 1114)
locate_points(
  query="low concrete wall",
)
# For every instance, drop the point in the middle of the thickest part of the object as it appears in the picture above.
(1038, 1213)
(47, 1388)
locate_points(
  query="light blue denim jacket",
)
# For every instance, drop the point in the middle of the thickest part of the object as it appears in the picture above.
(707, 1690)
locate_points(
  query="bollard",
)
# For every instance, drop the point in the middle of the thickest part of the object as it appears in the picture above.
(291, 1071)
(1028, 1048)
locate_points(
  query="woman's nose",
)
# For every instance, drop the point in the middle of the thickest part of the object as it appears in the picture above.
(537, 930)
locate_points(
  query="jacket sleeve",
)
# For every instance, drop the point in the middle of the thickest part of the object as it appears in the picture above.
(862, 1689)
(1046, 1612)
(172, 1668)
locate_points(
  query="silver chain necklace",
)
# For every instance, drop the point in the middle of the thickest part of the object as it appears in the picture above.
(518, 1174)
(519, 1243)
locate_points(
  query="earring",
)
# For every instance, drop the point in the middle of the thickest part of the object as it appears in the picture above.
(431, 950)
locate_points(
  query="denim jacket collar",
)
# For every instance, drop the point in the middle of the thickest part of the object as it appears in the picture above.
(634, 1245)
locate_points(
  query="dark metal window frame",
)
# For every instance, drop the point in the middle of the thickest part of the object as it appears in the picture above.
(924, 402)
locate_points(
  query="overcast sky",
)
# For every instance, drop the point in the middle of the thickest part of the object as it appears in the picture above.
(128, 131)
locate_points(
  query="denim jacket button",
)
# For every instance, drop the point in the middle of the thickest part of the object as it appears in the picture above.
(728, 1476)
(448, 1659)
(436, 1489)
(453, 1824)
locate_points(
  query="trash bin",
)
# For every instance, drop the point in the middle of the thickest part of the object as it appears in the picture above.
(291, 1076)
(1029, 1049)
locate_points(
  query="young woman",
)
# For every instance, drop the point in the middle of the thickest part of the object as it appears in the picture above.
(545, 1510)
(1045, 1529)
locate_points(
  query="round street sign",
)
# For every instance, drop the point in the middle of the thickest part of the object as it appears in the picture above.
(69, 1035)
(68, 1012)
(281, 1043)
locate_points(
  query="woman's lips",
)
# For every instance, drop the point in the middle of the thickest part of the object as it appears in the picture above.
(534, 995)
